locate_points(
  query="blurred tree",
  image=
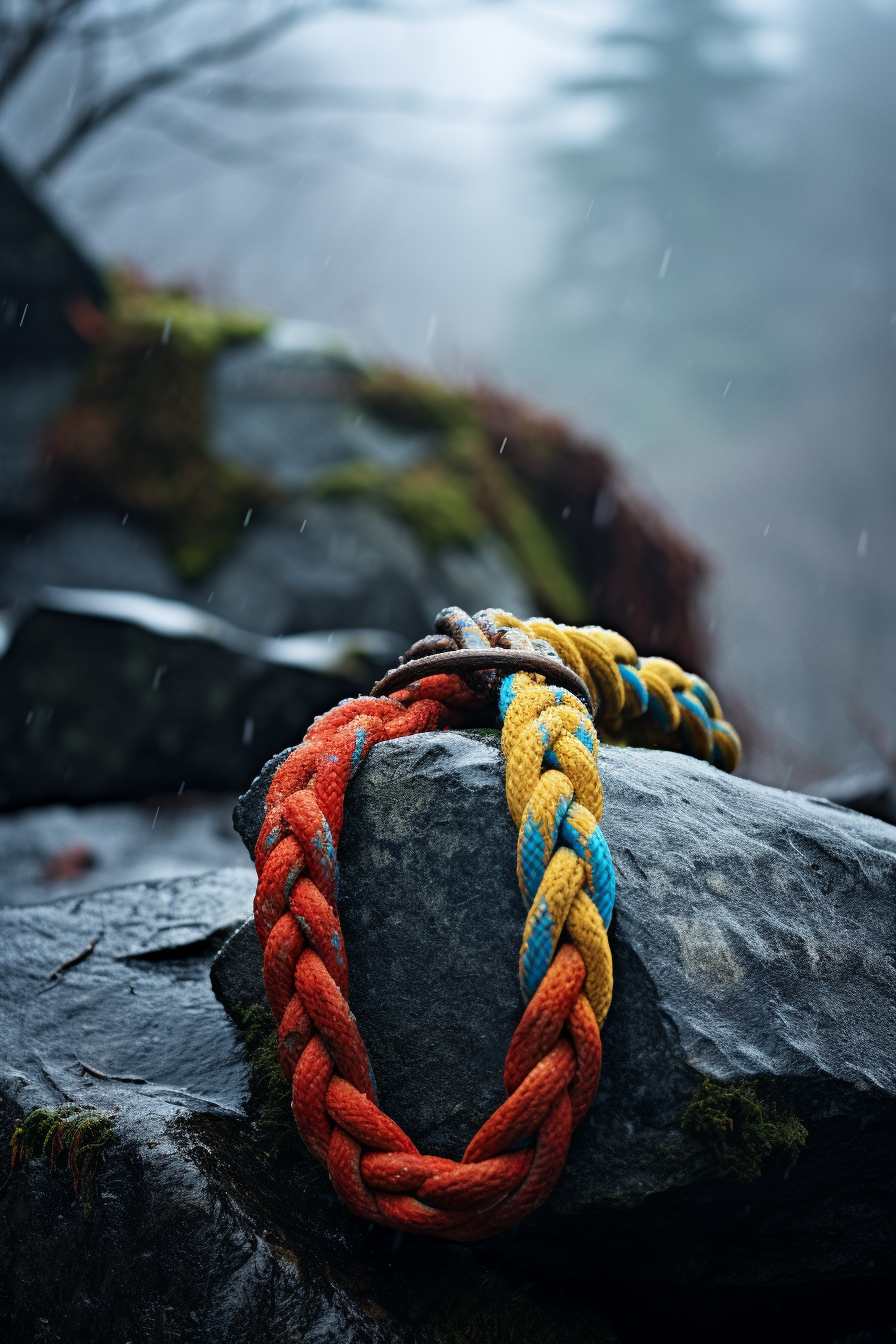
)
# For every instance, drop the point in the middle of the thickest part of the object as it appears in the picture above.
(735, 224)
(116, 55)
(656, 283)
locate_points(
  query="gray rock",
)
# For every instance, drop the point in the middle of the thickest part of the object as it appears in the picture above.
(137, 1006)
(752, 940)
(109, 729)
(195, 1235)
(320, 563)
(89, 550)
(290, 414)
(94, 710)
(119, 843)
(201, 1232)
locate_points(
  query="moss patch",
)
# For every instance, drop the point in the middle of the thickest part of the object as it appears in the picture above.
(78, 1132)
(438, 505)
(463, 1301)
(134, 435)
(742, 1127)
(464, 489)
(415, 403)
(175, 317)
(271, 1091)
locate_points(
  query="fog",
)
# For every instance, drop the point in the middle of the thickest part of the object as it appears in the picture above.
(672, 222)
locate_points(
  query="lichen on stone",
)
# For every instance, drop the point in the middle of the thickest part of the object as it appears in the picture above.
(80, 1132)
(742, 1127)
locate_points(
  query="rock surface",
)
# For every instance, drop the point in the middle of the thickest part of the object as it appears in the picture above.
(320, 563)
(48, 853)
(207, 1225)
(185, 1241)
(96, 710)
(200, 1232)
(752, 940)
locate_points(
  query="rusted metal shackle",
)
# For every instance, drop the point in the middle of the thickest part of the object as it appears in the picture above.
(500, 660)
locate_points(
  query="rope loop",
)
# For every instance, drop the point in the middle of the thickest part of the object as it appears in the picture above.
(566, 879)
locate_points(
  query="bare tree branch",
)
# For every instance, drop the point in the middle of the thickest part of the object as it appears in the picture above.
(135, 21)
(112, 104)
(32, 39)
(100, 38)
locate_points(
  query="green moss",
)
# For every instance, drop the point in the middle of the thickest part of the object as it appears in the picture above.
(79, 1132)
(354, 478)
(462, 490)
(414, 403)
(271, 1092)
(134, 436)
(463, 1301)
(742, 1127)
(437, 503)
(439, 506)
(188, 326)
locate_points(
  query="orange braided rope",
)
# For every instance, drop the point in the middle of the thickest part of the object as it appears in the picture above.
(553, 1064)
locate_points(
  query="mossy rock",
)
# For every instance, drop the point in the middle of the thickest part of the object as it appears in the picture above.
(414, 403)
(78, 1133)
(743, 1128)
(174, 317)
(136, 437)
(438, 504)
(135, 434)
(460, 492)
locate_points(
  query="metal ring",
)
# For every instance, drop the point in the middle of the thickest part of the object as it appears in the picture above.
(476, 660)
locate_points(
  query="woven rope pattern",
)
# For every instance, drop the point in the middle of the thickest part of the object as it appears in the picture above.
(566, 878)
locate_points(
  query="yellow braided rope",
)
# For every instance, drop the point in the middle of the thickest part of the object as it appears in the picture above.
(649, 702)
(536, 723)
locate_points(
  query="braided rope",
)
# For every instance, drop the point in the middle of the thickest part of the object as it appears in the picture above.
(645, 702)
(566, 878)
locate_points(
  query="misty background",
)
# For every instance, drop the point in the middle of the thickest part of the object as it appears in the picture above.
(670, 221)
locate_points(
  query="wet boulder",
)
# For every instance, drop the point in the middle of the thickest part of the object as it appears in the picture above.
(197, 1215)
(751, 984)
(742, 1129)
(100, 709)
(190, 1231)
(49, 853)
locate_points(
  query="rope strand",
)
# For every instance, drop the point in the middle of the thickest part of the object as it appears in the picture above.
(567, 882)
